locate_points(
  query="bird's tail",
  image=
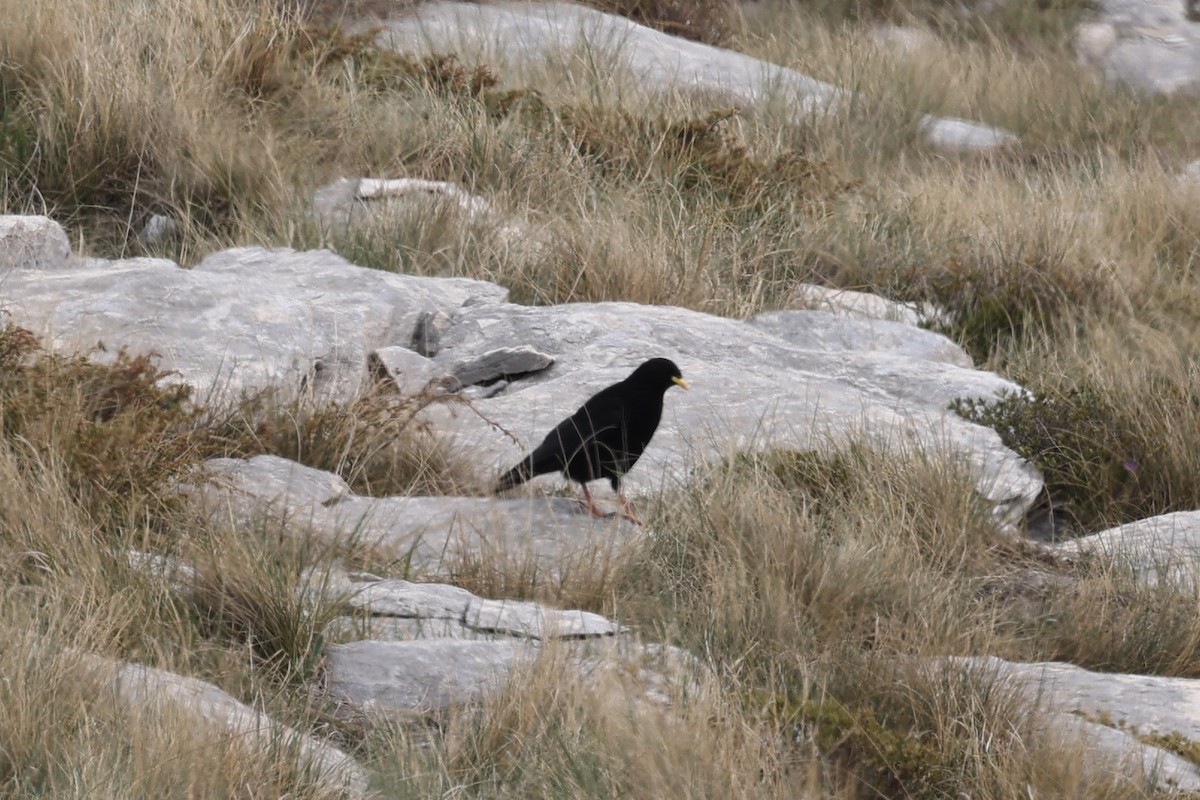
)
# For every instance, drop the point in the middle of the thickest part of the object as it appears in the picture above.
(514, 477)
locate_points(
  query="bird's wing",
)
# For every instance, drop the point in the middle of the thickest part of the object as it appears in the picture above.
(602, 412)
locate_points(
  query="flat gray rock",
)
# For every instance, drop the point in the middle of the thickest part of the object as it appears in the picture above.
(409, 371)
(435, 674)
(469, 613)
(553, 534)
(1149, 45)
(831, 332)
(862, 305)
(140, 687)
(534, 621)
(503, 362)
(1118, 706)
(399, 598)
(243, 320)
(510, 35)
(799, 380)
(1166, 547)
(426, 675)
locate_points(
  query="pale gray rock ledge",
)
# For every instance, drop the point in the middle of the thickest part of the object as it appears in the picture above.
(789, 379)
(554, 535)
(405, 610)
(141, 688)
(543, 34)
(429, 675)
(1108, 711)
(242, 321)
(1158, 549)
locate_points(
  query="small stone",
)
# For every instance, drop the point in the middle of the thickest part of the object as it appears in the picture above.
(410, 372)
(963, 136)
(1094, 41)
(157, 228)
(503, 362)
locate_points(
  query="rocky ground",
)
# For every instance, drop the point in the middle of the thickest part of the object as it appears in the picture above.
(838, 367)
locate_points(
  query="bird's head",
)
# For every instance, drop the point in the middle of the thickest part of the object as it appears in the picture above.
(659, 372)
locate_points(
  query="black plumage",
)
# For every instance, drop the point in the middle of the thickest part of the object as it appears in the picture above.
(606, 436)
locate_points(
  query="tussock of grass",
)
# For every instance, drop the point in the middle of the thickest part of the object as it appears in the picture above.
(112, 428)
(65, 734)
(273, 597)
(1114, 445)
(378, 443)
(1110, 622)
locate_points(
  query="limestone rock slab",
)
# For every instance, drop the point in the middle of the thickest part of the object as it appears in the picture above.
(1166, 547)
(785, 382)
(243, 320)
(554, 534)
(432, 675)
(1124, 705)
(534, 621)
(426, 675)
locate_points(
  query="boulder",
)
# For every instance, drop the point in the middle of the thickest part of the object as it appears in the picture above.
(515, 34)
(795, 379)
(37, 243)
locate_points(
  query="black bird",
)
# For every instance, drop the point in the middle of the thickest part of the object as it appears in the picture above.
(606, 436)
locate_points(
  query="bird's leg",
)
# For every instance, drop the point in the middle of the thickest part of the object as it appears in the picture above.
(627, 510)
(590, 504)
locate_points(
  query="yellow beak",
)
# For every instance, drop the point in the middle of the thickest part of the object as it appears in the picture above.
(680, 382)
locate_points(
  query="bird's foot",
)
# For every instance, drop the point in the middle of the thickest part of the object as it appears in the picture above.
(590, 506)
(628, 513)
(593, 509)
